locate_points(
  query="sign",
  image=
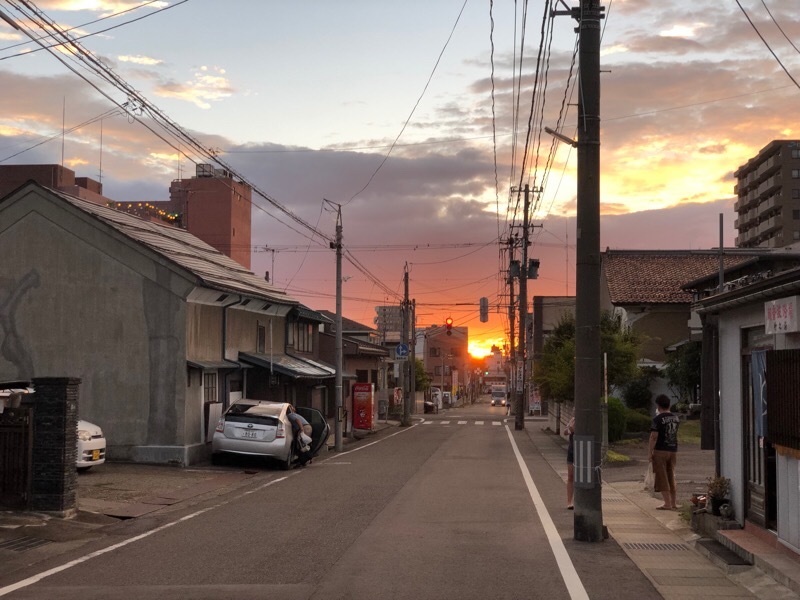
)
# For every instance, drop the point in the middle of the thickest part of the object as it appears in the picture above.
(398, 396)
(780, 316)
(401, 351)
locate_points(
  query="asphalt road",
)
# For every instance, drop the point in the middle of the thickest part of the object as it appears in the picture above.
(439, 510)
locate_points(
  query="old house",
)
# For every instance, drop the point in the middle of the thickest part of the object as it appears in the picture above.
(751, 344)
(156, 323)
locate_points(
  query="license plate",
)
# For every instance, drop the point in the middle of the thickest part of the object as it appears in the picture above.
(249, 433)
(95, 454)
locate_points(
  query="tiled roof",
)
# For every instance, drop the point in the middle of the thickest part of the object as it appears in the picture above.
(214, 269)
(348, 325)
(656, 276)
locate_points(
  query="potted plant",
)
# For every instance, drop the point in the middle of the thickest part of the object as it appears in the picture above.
(718, 489)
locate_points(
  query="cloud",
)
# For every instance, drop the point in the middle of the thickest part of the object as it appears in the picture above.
(140, 60)
(207, 85)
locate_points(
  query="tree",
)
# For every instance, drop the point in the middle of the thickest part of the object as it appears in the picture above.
(683, 371)
(554, 373)
(421, 379)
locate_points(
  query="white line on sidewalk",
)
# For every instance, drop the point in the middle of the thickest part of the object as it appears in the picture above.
(565, 566)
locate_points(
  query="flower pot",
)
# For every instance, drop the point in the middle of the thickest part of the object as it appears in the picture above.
(715, 503)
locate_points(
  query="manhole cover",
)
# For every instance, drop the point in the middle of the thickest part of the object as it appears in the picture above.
(21, 544)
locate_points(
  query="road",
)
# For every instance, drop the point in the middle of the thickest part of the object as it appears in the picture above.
(457, 506)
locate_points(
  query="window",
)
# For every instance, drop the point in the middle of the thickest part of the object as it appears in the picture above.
(795, 173)
(435, 352)
(261, 338)
(301, 336)
(795, 153)
(796, 214)
(796, 194)
(796, 235)
(210, 387)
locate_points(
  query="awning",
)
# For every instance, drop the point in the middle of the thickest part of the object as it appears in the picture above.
(213, 364)
(291, 366)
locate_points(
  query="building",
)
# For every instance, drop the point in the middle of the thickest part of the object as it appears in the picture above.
(751, 374)
(215, 208)
(52, 176)
(445, 357)
(389, 323)
(162, 329)
(211, 205)
(768, 197)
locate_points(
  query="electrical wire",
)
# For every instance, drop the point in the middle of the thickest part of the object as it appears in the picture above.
(416, 104)
(771, 51)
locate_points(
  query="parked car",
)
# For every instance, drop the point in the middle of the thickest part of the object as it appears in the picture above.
(262, 428)
(91, 446)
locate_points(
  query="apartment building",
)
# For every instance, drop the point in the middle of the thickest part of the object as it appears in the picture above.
(768, 197)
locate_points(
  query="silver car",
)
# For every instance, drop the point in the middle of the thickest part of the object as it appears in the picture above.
(262, 428)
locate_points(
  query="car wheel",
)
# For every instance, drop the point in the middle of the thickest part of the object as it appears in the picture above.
(287, 464)
(216, 459)
(83, 469)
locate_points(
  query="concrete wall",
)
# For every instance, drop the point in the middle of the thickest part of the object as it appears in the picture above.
(94, 305)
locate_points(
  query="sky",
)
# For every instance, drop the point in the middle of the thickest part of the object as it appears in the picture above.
(412, 116)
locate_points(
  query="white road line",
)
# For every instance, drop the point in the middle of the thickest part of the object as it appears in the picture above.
(497, 423)
(43, 575)
(462, 422)
(427, 422)
(565, 566)
(445, 422)
(478, 422)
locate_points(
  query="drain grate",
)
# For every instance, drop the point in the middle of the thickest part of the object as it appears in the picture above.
(21, 544)
(649, 546)
(614, 499)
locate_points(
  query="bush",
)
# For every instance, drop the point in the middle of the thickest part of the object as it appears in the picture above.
(636, 422)
(616, 419)
(637, 393)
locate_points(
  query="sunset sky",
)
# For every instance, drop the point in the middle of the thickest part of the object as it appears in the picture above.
(306, 98)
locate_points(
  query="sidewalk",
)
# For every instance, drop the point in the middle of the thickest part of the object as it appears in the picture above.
(679, 562)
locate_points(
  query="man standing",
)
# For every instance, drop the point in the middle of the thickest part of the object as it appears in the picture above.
(664, 451)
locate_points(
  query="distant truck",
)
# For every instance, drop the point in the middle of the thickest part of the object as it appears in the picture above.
(499, 394)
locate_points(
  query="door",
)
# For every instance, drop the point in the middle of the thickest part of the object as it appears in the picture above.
(320, 430)
(759, 455)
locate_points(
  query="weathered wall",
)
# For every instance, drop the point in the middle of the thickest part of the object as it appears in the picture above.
(89, 303)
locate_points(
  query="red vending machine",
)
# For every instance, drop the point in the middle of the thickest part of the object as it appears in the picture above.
(363, 406)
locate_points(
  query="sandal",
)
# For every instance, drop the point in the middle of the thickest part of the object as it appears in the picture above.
(662, 507)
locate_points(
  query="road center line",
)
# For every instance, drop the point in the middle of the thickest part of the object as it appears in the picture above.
(565, 566)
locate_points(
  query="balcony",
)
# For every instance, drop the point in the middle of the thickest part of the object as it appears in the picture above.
(769, 225)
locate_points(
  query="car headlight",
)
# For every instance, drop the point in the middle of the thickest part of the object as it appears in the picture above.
(84, 435)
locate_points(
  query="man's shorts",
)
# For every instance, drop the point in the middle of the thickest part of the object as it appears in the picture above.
(664, 470)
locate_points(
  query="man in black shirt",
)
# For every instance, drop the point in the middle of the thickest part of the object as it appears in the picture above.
(664, 451)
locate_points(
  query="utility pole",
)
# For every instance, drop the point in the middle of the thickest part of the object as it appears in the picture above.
(511, 317)
(338, 441)
(588, 519)
(519, 417)
(406, 421)
(412, 373)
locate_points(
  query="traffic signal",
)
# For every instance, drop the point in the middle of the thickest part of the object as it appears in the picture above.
(448, 323)
(484, 303)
